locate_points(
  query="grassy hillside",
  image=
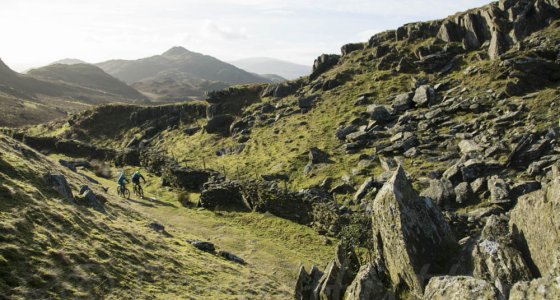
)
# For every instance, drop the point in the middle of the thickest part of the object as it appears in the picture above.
(50, 92)
(52, 248)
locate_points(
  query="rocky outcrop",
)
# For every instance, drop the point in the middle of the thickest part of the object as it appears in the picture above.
(459, 288)
(333, 282)
(410, 233)
(498, 25)
(496, 260)
(542, 288)
(323, 63)
(59, 183)
(368, 284)
(535, 220)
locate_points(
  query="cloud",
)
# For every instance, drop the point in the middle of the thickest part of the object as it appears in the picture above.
(215, 31)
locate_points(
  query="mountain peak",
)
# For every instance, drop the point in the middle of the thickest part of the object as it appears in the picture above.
(4, 68)
(177, 50)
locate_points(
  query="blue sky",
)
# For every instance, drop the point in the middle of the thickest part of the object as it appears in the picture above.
(37, 32)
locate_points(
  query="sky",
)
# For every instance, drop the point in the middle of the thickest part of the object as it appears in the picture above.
(34, 33)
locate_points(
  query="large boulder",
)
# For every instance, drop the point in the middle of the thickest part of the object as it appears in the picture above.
(440, 191)
(368, 285)
(59, 183)
(337, 276)
(424, 95)
(220, 124)
(494, 258)
(409, 234)
(306, 282)
(323, 63)
(459, 288)
(535, 220)
(538, 289)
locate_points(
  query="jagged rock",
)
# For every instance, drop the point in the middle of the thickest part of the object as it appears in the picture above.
(322, 64)
(468, 146)
(409, 233)
(379, 113)
(402, 102)
(440, 191)
(306, 283)
(343, 131)
(191, 130)
(337, 276)
(499, 190)
(68, 165)
(318, 156)
(424, 95)
(495, 260)
(307, 102)
(88, 198)
(367, 285)
(388, 163)
(537, 289)
(220, 124)
(157, 227)
(459, 288)
(521, 188)
(60, 184)
(364, 189)
(535, 220)
(231, 257)
(463, 193)
(203, 246)
(349, 48)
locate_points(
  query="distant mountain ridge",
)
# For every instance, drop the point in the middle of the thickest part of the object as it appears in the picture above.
(178, 74)
(50, 92)
(267, 65)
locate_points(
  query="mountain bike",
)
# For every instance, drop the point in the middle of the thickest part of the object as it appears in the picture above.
(138, 191)
(123, 192)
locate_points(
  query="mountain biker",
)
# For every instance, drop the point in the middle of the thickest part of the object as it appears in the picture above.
(136, 178)
(122, 180)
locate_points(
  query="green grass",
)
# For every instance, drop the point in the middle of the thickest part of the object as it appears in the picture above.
(54, 249)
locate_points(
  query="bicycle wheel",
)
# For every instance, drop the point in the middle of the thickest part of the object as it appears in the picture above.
(140, 191)
(126, 193)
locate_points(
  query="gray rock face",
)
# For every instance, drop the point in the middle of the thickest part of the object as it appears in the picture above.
(306, 282)
(60, 184)
(367, 285)
(500, 25)
(538, 289)
(379, 113)
(495, 260)
(409, 234)
(499, 190)
(459, 288)
(337, 276)
(323, 63)
(440, 191)
(318, 156)
(219, 124)
(424, 95)
(535, 219)
(363, 190)
(463, 193)
(402, 102)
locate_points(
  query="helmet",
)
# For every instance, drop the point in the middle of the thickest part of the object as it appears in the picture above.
(138, 172)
